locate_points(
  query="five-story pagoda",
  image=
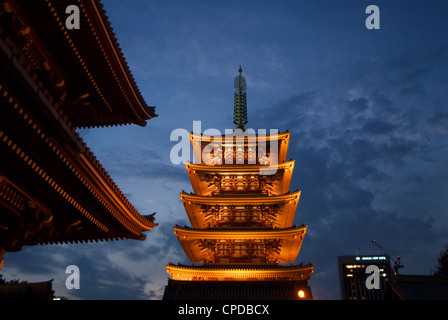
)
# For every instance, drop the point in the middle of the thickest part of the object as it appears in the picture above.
(241, 215)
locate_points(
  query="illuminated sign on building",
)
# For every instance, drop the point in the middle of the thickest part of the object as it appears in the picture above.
(371, 258)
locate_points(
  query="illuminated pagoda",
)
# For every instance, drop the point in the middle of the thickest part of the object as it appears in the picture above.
(53, 81)
(242, 241)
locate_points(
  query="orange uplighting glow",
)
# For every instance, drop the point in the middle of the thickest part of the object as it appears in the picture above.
(301, 294)
(247, 273)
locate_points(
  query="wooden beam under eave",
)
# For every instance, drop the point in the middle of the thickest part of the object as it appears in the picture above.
(12, 64)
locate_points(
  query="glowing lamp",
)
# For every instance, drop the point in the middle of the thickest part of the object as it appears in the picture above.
(301, 294)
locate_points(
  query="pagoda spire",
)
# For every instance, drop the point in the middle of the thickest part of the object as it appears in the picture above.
(240, 102)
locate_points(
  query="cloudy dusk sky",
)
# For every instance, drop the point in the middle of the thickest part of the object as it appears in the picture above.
(367, 111)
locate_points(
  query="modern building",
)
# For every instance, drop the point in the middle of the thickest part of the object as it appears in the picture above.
(242, 240)
(53, 81)
(353, 276)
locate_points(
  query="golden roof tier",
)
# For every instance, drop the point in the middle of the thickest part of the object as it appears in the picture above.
(237, 178)
(265, 149)
(240, 272)
(241, 245)
(241, 210)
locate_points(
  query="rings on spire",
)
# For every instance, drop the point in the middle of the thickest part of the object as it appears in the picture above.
(240, 102)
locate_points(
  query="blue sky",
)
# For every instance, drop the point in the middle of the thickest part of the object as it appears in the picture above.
(367, 111)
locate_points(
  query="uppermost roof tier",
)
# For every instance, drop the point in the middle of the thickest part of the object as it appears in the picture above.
(268, 150)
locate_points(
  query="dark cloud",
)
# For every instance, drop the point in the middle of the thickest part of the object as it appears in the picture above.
(348, 163)
(439, 122)
(161, 241)
(377, 127)
(102, 275)
(39, 261)
(295, 107)
(357, 105)
(140, 162)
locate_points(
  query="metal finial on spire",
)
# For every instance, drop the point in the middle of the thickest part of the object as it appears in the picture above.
(240, 103)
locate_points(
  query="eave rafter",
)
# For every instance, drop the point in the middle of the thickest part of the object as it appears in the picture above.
(99, 26)
(100, 82)
(241, 200)
(240, 234)
(250, 138)
(235, 168)
(123, 75)
(41, 172)
(61, 24)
